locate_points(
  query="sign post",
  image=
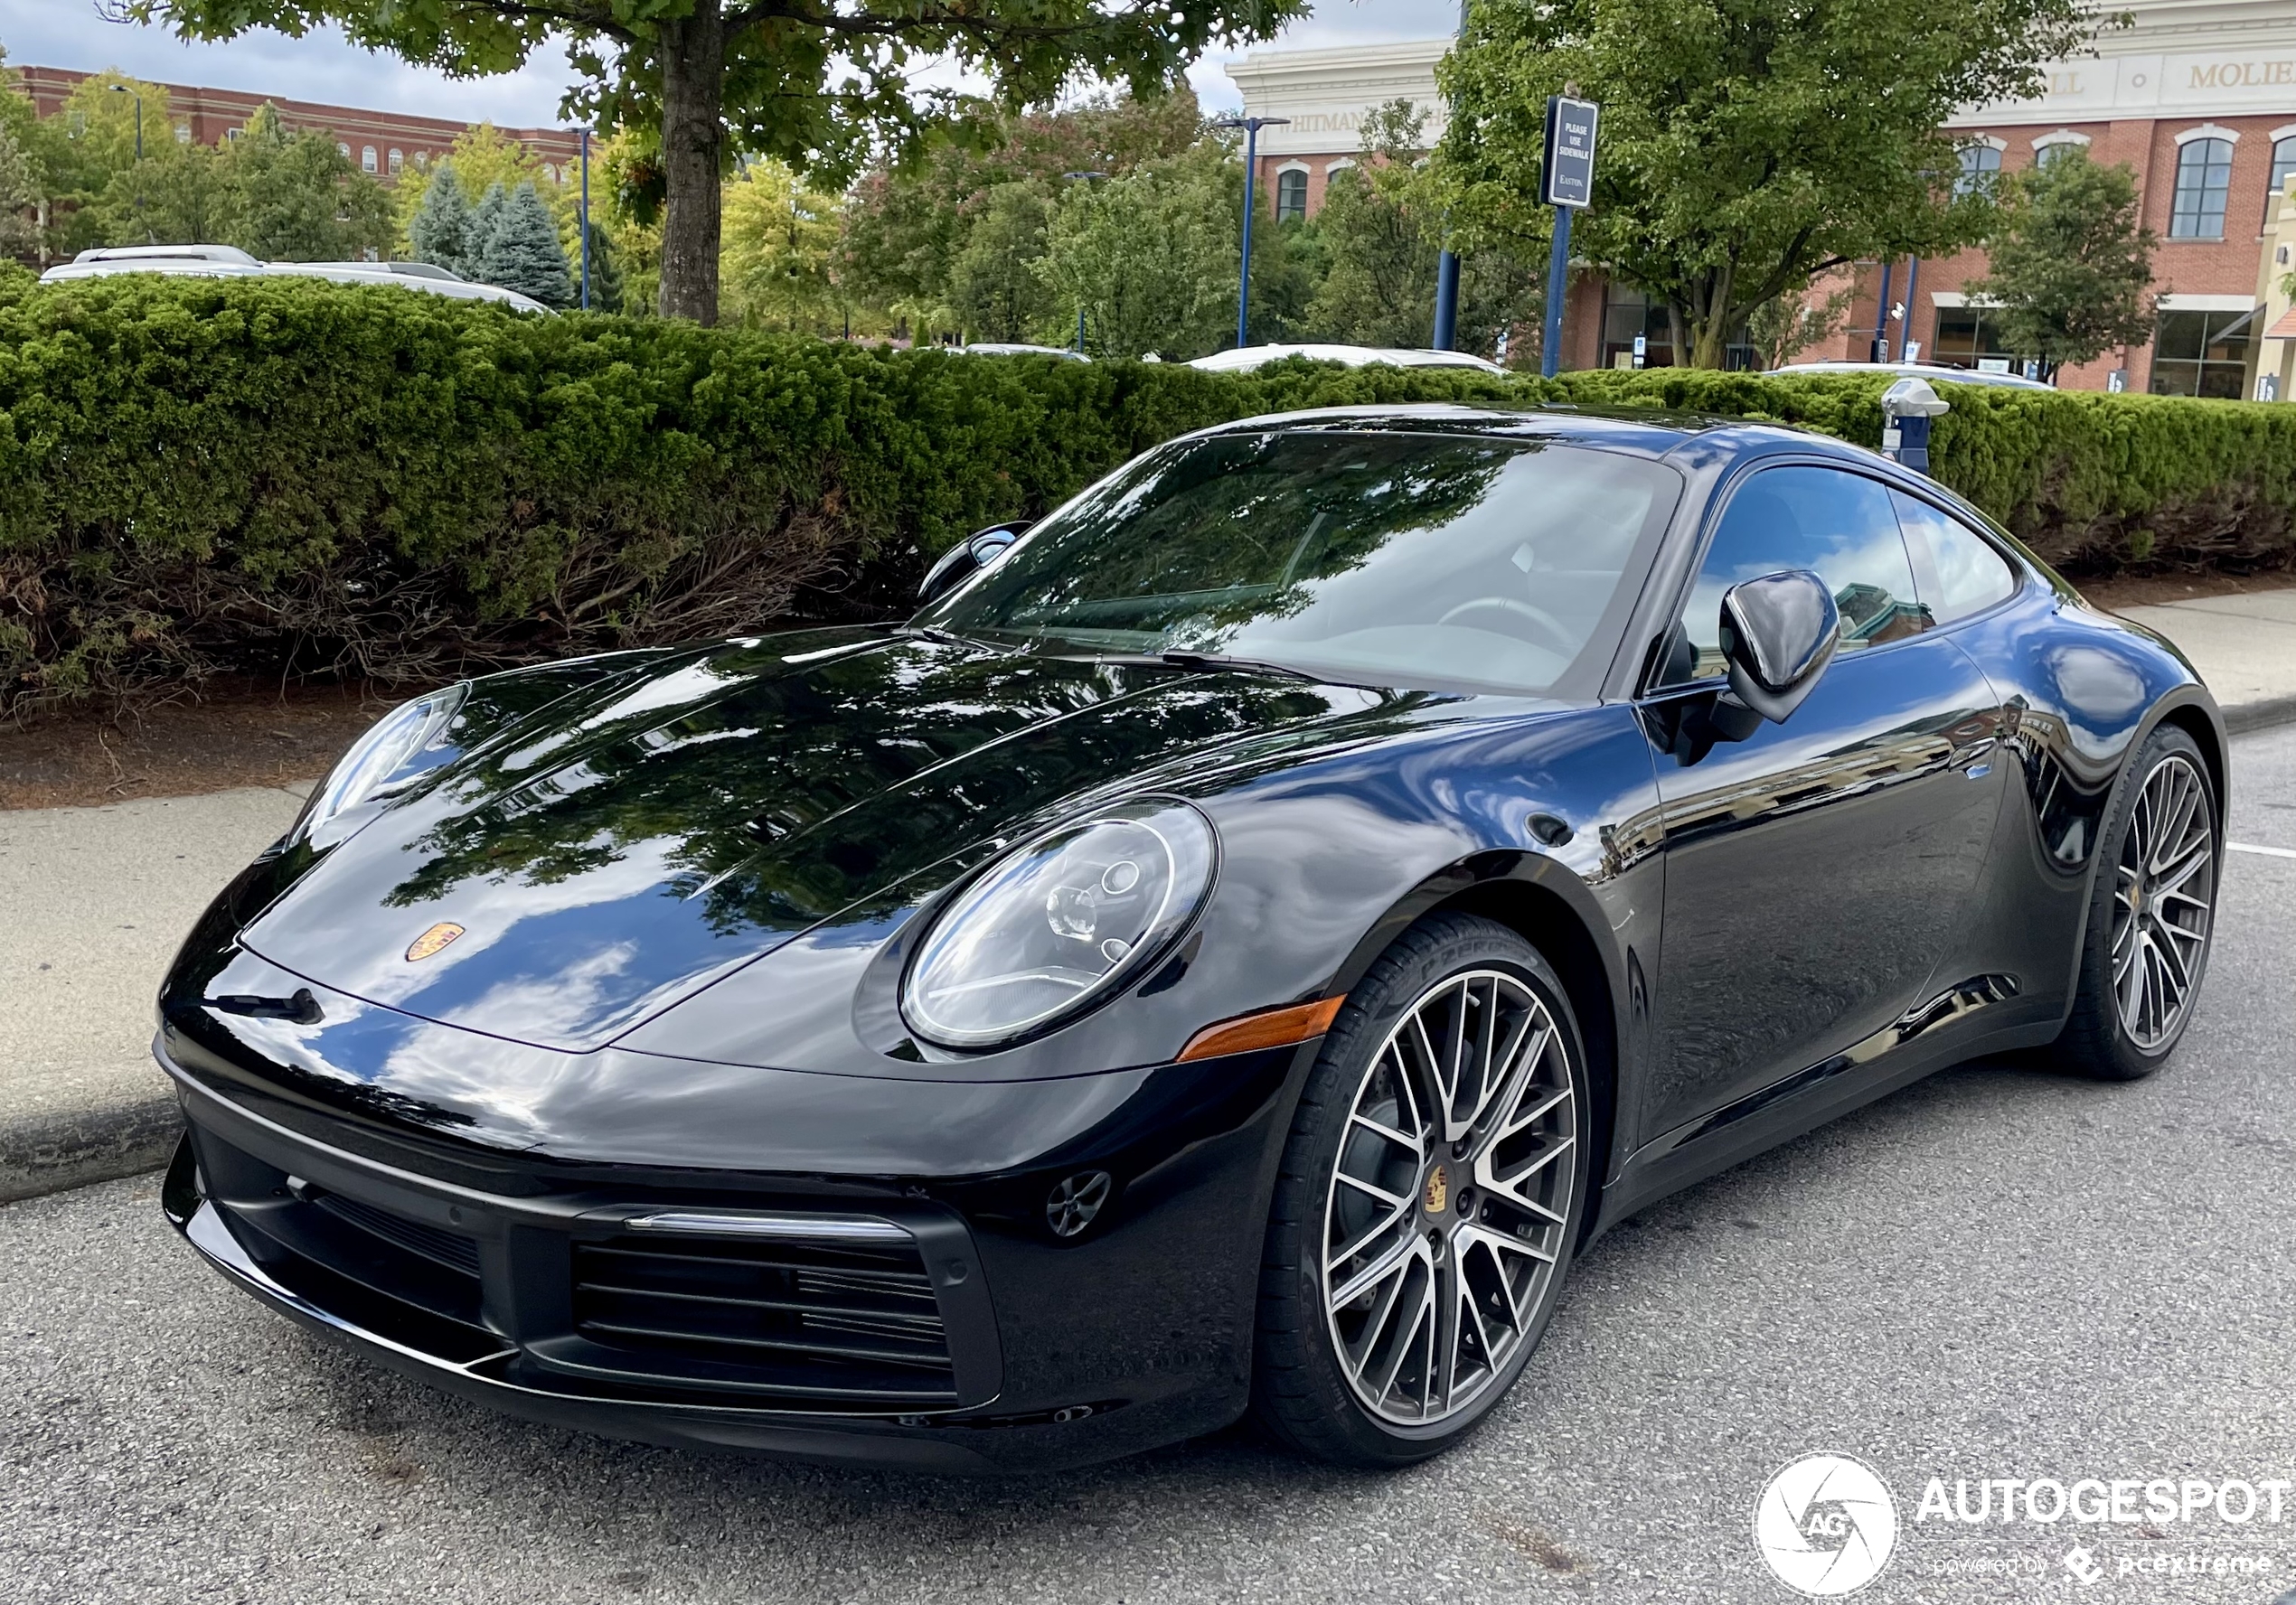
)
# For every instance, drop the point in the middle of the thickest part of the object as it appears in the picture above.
(1565, 183)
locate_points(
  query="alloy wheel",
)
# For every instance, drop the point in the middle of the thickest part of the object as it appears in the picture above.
(2164, 891)
(1449, 1198)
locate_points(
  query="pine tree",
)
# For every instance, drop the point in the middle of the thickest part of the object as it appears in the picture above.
(523, 251)
(605, 273)
(485, 219)
(440, 232)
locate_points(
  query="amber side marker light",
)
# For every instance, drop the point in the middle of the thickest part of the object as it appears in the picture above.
(1270, 1027)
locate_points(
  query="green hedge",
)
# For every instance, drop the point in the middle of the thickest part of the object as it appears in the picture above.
(301, 475)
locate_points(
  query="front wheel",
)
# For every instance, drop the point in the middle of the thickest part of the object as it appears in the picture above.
(1431, 1191)
(2151, 917)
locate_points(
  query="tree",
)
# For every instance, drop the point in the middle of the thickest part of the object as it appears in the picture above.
(1380, 230)
(1746, 146)
(2069, 260)
(1150, 257)
(174, 197)
(483, 155)
(19, 192)
(1782, 330)
(485, 219)
(813, 85)
(78, 152)
(523, 251)
(296, 198)
(780, 239)
(904, 226)
(994, 287)
(1380, 289)
(606, 272)
(439, 231)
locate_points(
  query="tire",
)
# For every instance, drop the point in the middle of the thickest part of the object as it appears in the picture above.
(1483, 1209)
(2152, 916)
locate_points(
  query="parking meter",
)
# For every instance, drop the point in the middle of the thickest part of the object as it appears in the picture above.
(1906, 407)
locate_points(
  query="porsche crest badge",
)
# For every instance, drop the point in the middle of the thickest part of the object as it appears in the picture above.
(432, 941)
(1438, 1189)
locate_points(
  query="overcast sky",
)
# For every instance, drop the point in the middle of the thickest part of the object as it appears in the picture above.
(323, 67)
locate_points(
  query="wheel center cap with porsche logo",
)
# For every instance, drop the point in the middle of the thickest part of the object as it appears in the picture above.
(1437, 1196)
(435, 940)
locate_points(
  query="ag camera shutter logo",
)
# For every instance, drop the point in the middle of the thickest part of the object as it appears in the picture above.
(1826, 1526)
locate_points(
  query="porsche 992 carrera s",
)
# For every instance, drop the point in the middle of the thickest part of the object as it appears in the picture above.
(1228, 951)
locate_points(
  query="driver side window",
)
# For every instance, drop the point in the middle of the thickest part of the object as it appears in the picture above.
(1838, 525)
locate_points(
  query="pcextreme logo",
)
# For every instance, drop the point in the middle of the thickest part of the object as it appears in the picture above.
(1825, 1524)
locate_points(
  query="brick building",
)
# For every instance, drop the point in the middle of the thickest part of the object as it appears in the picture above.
(2198, 97)
(383, 143)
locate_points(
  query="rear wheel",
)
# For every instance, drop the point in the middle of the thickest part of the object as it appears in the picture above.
(2153, 913)
(1431, 1191)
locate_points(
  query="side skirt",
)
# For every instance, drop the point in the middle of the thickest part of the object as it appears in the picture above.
(1975, 1018)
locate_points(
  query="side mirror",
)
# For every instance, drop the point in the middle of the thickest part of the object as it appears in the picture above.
(1778, 633)
(967, 558)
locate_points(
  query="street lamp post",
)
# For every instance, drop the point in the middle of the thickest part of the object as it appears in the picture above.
(1251, 126)
(586, 219)
(1085, 175)
(1446, 311)
(137, 97)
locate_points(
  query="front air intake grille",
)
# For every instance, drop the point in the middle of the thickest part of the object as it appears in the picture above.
(456, 1253)
(844, 1325)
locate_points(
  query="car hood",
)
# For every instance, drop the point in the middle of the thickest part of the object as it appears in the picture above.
(646, 834)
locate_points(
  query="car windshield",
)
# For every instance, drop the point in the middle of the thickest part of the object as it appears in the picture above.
(1388, 559)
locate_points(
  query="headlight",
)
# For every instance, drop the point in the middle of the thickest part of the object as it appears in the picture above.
(1058, 924)
(403, 745)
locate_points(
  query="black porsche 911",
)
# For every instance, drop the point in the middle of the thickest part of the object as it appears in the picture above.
(1228, 951)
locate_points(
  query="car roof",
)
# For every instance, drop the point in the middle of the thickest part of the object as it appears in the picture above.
(1242, 358)
(2015, 382)
(223, 261)
(1642, 431)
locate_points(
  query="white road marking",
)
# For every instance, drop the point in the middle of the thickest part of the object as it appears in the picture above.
(2270, 852)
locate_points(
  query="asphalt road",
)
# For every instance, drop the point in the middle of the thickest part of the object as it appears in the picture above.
(1996, 1274)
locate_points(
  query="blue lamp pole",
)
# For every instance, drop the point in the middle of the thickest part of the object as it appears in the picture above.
(586, 219)
(1082, 175)
(1251, 126)
(1446, 313)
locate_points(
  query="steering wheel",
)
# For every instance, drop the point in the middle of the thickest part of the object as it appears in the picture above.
(1556, 638)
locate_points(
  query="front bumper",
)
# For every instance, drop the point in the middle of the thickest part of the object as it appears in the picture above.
(889, 1351)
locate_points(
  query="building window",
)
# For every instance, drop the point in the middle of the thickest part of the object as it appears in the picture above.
(422, 161)
(2204, 180)
(1970, 337)
(2058, 152)
(398, 161)
(1291, 196)
(183, 133)
(1979, 164)
(2201, 354)
(2283, 167)
(344, 150)
(367, 158)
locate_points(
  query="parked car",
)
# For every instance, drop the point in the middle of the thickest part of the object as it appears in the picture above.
(1932, 371)
(991, 347)
(1244, 359)
(1233, 947)
(224, 261)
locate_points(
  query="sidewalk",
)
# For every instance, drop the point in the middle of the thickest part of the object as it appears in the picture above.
(96, 900)
(2244, 646)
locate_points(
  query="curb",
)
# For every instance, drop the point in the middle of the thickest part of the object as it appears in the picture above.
(2260, 715)
(54, 1152)
(50, 1153)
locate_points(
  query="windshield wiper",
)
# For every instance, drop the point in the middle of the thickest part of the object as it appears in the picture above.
(1204, 663)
